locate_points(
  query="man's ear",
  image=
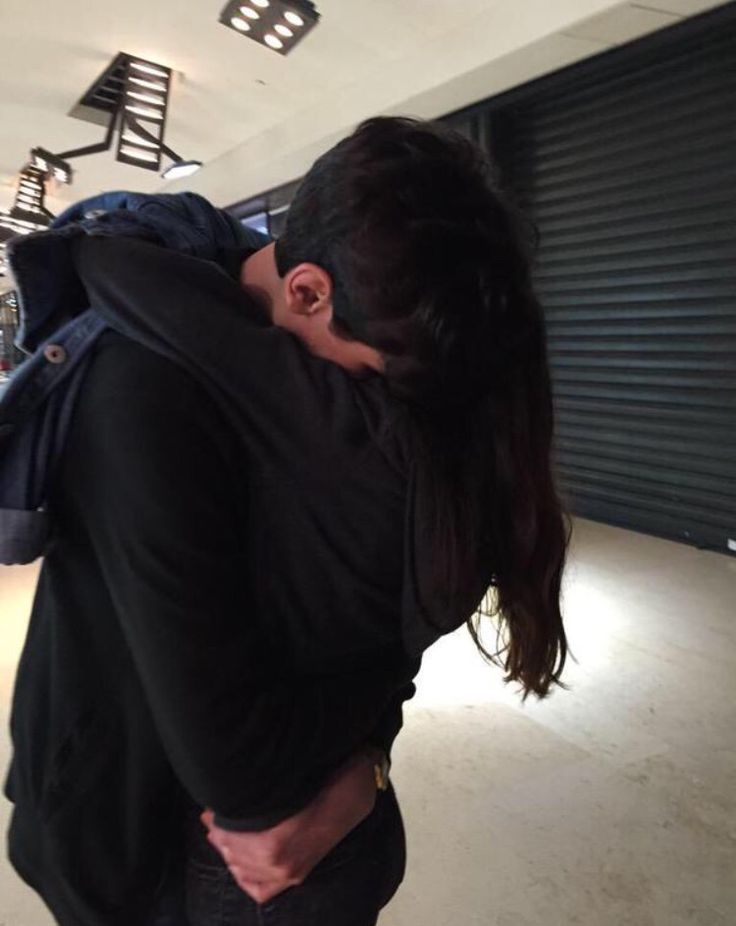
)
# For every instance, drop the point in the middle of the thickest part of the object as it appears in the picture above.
(308, 290)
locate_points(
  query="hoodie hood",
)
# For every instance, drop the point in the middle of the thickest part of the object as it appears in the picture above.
(49, 289)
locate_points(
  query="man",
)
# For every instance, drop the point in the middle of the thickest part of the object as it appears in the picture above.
(279, 489)
(151, 684)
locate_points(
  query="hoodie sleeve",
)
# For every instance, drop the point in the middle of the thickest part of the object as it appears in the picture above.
(156, 488)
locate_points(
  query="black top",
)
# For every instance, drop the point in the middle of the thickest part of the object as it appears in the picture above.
(221, 616)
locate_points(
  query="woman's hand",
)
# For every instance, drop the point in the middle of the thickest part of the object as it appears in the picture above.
(268, 862)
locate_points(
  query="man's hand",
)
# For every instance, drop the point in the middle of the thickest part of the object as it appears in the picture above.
(268, 862)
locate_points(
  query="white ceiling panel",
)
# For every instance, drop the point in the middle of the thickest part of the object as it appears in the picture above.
(542, 57)
(623, 24)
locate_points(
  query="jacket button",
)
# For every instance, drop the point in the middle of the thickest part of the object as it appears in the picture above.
(54, 353)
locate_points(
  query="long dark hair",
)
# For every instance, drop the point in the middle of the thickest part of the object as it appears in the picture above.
(430, 266)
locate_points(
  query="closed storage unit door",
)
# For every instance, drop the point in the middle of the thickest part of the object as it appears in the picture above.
(630, 176)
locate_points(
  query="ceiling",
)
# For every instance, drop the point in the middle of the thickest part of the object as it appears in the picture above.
(258, 119)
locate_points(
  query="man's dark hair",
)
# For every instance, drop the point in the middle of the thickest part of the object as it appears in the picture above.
(430, 267)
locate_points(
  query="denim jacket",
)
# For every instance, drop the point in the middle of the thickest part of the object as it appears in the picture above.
(59, 330)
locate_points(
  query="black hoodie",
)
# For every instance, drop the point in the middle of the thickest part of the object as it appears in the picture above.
(238, 596)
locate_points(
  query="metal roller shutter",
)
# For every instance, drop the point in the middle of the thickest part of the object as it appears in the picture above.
(629, 173)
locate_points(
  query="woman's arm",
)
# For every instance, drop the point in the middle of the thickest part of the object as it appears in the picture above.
(266, 863)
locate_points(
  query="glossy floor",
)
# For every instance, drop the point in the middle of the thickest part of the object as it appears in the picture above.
(612, 804)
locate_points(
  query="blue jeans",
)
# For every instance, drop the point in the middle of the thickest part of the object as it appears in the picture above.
(347, 888)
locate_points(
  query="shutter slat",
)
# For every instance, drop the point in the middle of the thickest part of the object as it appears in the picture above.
(697, 488)
(644, 121)
(574, 232)
(672, 350)
(653, 79)
(682, 309)
(626, 181)
(594, 264)
(672, 244)
(650, 393)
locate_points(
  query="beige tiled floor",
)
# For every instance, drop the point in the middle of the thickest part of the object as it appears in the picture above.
(612, 804)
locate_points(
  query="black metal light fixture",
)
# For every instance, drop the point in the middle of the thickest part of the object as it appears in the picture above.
(143, 105)
(28, 212)
(130, 97)
(10, 356)
(278, 24)
(51, 165)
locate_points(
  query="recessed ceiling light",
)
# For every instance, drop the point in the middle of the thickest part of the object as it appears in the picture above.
(261, 3)
(249, 12)
(148, 69)
(293, 18)
(284, 30)
(146, 113)
(240, 24)
(273, 41)
(151, 84)
(147, 98)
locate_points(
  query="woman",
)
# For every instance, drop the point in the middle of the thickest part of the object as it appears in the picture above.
(354, 501)
(429, 271)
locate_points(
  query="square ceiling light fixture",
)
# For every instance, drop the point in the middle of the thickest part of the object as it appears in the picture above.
(278, 24)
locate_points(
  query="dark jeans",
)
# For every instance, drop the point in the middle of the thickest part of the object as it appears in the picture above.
(347, 888)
